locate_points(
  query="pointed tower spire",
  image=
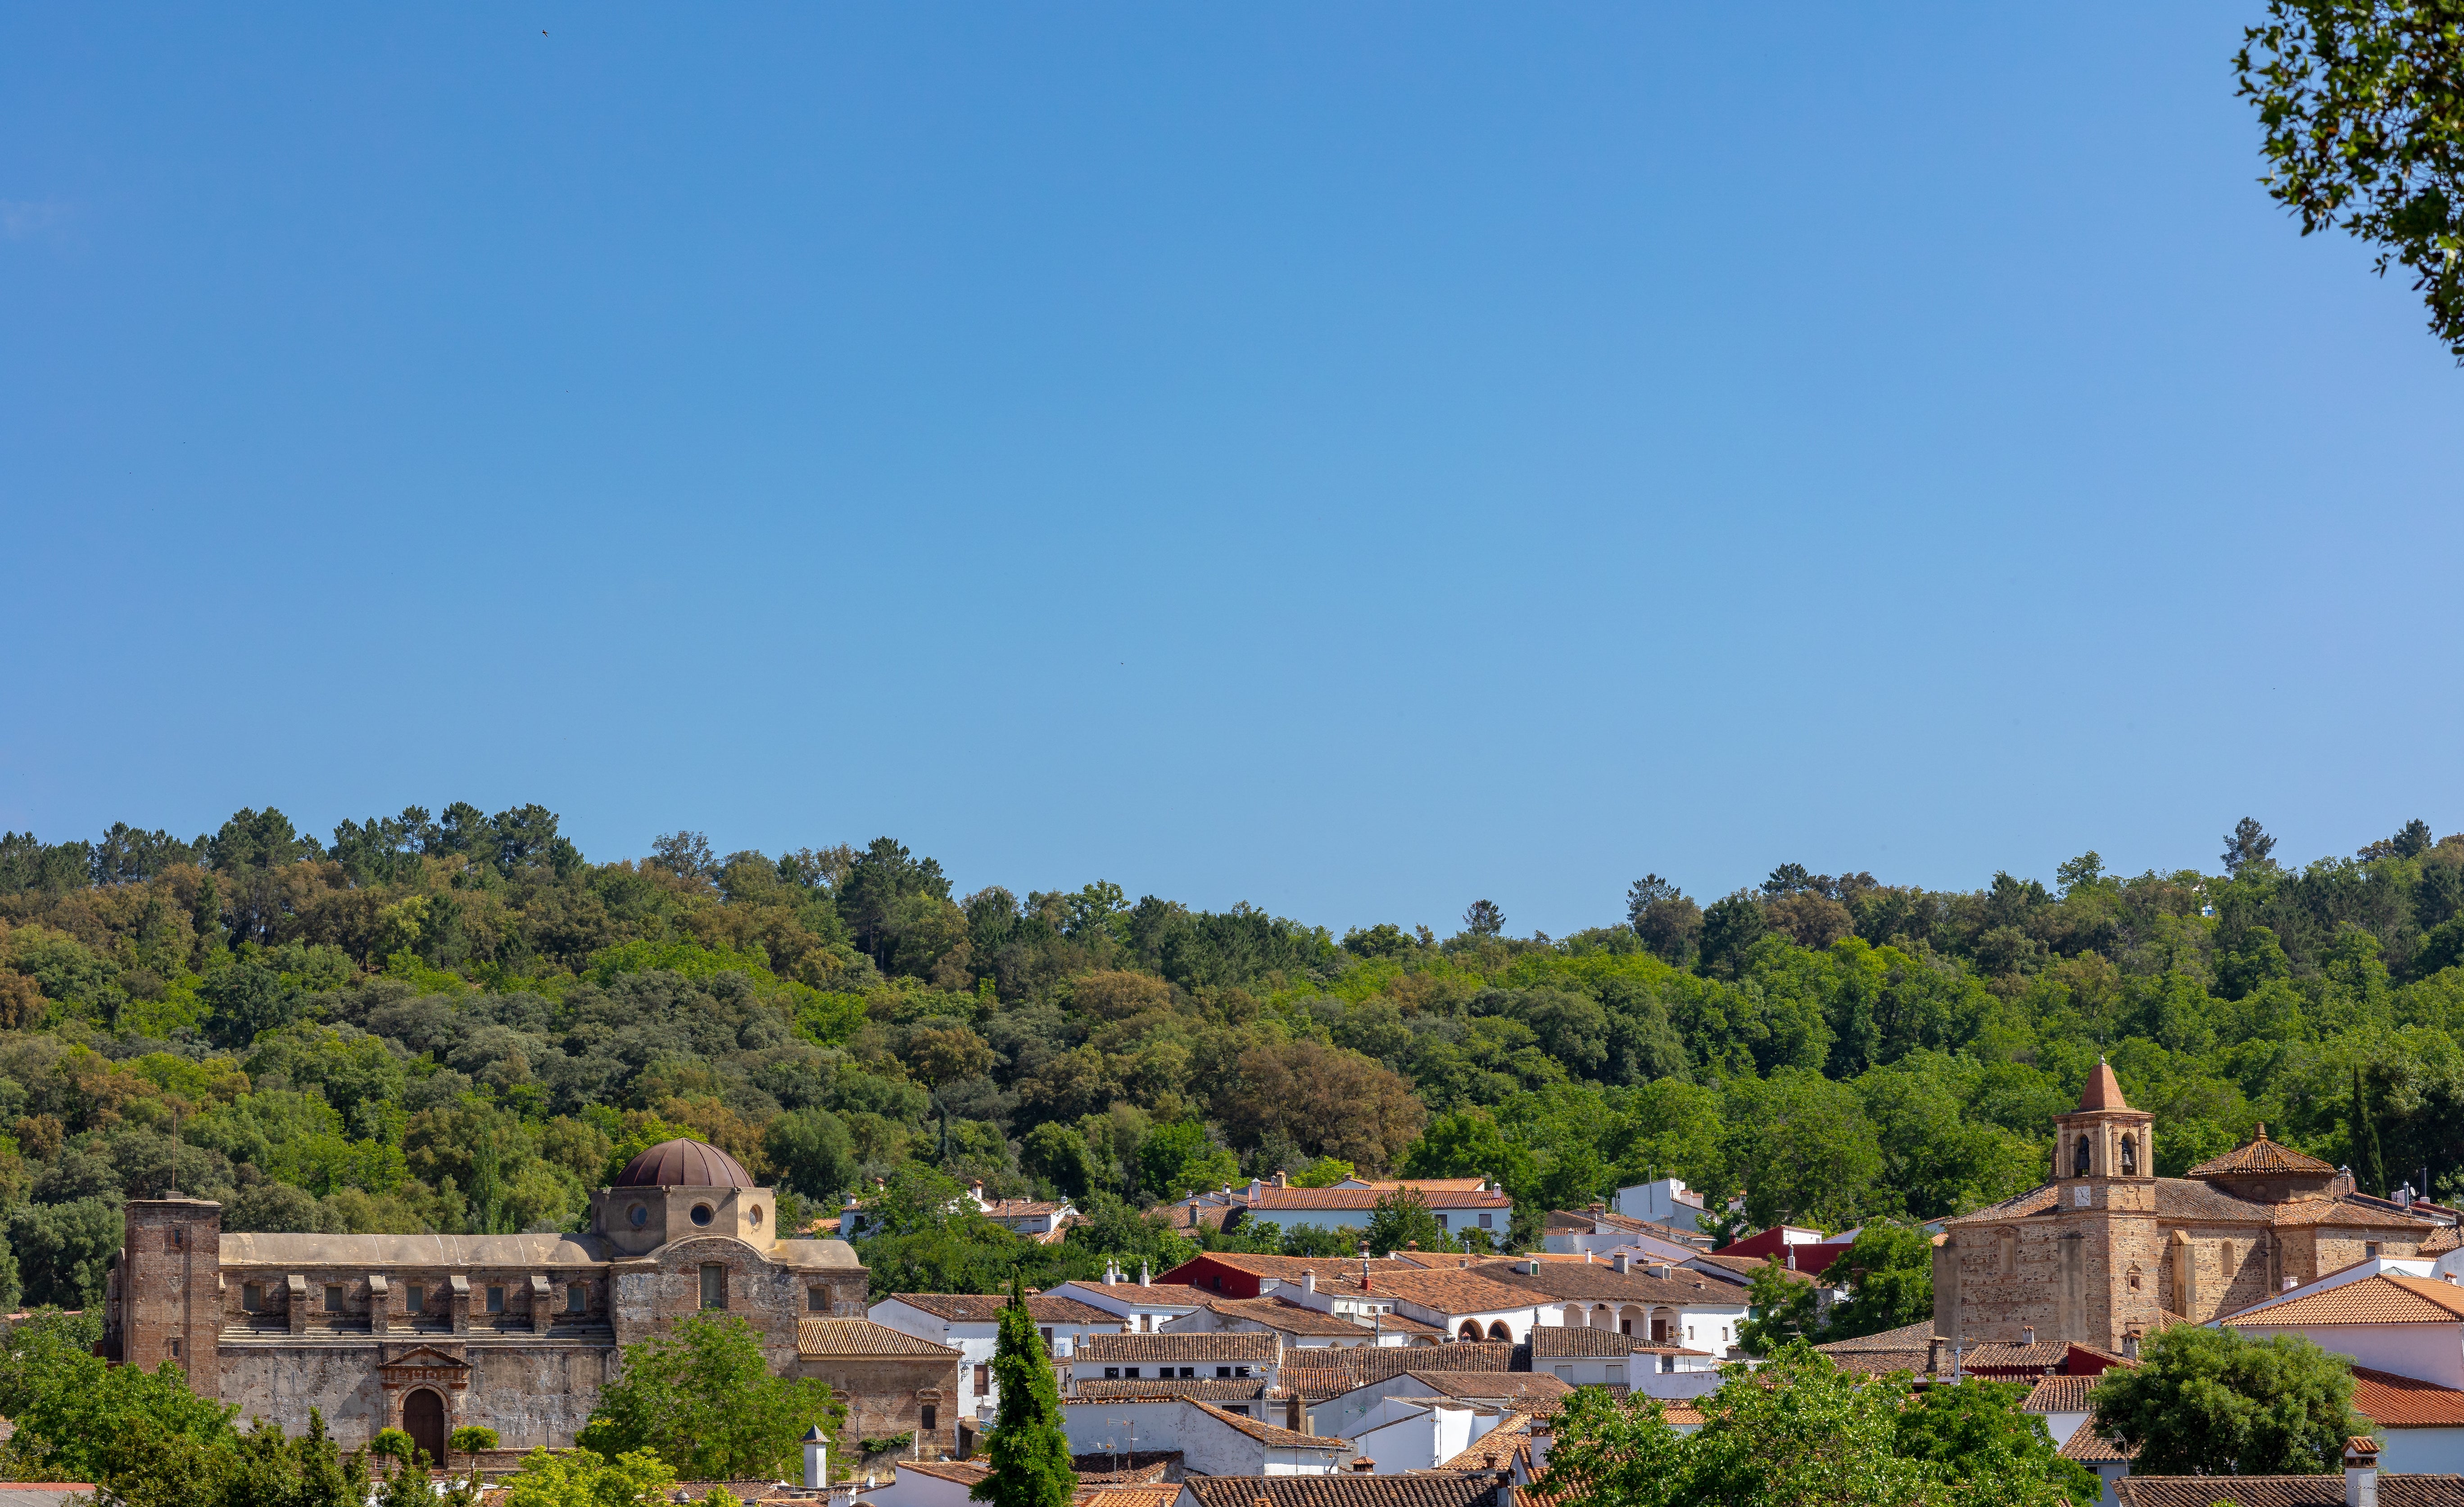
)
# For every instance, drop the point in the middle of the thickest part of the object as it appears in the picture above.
(2104, 1090)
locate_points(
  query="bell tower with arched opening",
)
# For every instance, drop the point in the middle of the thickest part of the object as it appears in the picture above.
(2105, 1189)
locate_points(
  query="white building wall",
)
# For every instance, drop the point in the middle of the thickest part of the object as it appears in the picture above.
(2432, 1353)
(1399, 1437)
(2422, 1452)
(1208, 1445)
(915, 1489)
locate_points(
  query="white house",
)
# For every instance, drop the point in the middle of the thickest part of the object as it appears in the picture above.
(1200, 1355)
(1463, 1304)
(1458, 1204)
(1042, 1223)
(1662, 1201)
(1583, 1356)
(1407, 1433)
(1508, 1392)
(1144, 1306)
(2387, 1314)
(929, 1483)
(1211, 1441)
(1300, 1326)
(2420, 1426)
(1661, 1303)
(1597, 1233)
(971, 1323)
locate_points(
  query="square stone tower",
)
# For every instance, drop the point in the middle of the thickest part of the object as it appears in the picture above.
(169, 1280)
(2105, 1216)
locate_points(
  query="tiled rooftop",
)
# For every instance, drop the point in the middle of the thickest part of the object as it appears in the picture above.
(2284, 1490)
(978, 1308)
(825, 1336)
(2402, 1402)
(1421, 1489)
(2386, 1298)
(1216, 1347)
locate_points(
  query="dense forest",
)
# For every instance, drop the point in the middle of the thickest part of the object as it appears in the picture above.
(459, 1023)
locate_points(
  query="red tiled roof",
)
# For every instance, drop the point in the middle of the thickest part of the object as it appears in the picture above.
(1325, 1373)
(1453, 1292)
(2060, 1394)
(1348, 1489)
(2104, 1091)
(1272, 1436)
(982, 1308)
(1190, 1345)
(1196, 1389)
(2260, 1156)
(2402, 1402)
(1288, 1317)
(2089, 1447)
(1270, 1199)
(2284, 1490)
(2386, 1298)
(829, 1336)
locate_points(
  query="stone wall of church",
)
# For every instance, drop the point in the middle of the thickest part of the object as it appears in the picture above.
(531, 1393)
(2003, 1278)
(888, 1395)
(2215, 1269)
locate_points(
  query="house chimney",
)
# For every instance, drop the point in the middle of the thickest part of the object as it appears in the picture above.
(1308, 1281)
(2130, 1345)
(2026, 1333)
(1282, 1180)
(1506, 1489)
(1587, 1258)
(817, 1453)
(1933, 1355)
(1618, 1261)
(1146, 1278)
(1363, 1465)
(2360, 1472)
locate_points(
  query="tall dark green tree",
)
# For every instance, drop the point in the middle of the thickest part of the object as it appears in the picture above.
(1029, 1450)
(2369, 1164)
(2210, 1402)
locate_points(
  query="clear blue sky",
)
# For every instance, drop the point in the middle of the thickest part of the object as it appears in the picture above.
(1352, 458)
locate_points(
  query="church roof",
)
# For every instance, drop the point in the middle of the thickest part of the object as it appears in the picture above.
(684, 1163)
(2104, 1090)
(2260, 1156)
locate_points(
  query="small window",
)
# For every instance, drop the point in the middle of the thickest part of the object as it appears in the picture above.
(1566, 1374)
(1047, 1340)
(1112, 1373)
(1146, 1323)
(1223, 1370)
(1485, 1221)
(714, 1286)
(817, 1300)
(1616, 1374)
(2079, 1159)
(1240, 1370)
(179, 1237)
(1442, 1221)
(414, 1300)
(1189, 1373)
(1242, 1408)
(2369, 1249)
(333, 1297)
(637, 1216)
(252, 1299)
(1130, 1373)
(703, 1213)
(577, 1298)
(753, 1216)
(932, 1417)
(1667, 1363)
(171, 1347)
(496, 1299)
(2130, 1155)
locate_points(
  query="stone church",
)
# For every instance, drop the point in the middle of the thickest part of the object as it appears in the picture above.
(428, 1333)
(2106, 1251)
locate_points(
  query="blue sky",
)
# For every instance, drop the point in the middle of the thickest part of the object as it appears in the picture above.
(1350, 459)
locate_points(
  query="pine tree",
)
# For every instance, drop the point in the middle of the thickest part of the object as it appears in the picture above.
(1028, 1451)
(2361, 1134)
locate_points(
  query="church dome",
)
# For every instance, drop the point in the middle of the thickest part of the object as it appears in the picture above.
(684, 1163)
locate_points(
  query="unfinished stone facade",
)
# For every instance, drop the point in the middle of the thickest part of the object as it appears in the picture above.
(428, 1333)
(2106, 1251)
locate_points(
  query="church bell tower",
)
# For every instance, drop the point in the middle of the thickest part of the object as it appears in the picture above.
(2104, 1210)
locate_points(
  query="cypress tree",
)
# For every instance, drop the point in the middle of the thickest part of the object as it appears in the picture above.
(1028, 1451)
(2361, 1133)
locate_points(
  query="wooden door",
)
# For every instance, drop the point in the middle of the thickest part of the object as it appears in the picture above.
(423, 1418)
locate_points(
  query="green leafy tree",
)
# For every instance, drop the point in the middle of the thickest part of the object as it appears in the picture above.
(1060, 1156)
(1979, 1432)
(813, 1152)
(1027, 1448)
(1779, 1310)
(1803, 1147)
(1888, 1271)
(702, 1399)
(1733, 923)
(1324, 1172)
(581, 1478)
(150, 1467)
(1793, 1433)
(1401, 1221)
(2357, 101)
(2210, 1402)
(1177, 1160)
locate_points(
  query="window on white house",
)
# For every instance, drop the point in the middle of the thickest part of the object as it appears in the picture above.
(496, 1299)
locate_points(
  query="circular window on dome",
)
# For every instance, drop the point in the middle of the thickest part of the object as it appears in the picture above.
(637, 1216)
(702, 1214)
(754, 1216)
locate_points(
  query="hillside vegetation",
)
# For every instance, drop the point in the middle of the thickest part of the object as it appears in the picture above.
(460, 1023)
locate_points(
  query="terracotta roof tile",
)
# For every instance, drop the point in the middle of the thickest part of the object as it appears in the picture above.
(828, 1337)
(1421, 1489)
(2037, 1200)
(2104, 1091)
(1501, 1444)
(1272, 1199)
(1325, 1373)
(1452, 1291)
(1749, 1266)
(1127, 1467)
(1290, 1268)
(2284, 1490)
(2352, 1213)
(1599, 1280)
(1196, 1389)
(2060, 1394)
(2443, 1239)
(1272, 1436)
(966, 1472)
(2383, 1299)
(2260, 1156)
(1159, 1495)
(1526, 1391)
(1208, 1345)
(2089, 1447)
(1561, 1341)
(1908, 1337)
(1154, 1295)
(2402, 1402)
(1284, 1315)
(982, 1308)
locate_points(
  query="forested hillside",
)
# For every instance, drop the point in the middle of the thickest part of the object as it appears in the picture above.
(460, 1023)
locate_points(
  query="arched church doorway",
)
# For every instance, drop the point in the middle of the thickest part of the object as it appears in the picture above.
(423, 1418)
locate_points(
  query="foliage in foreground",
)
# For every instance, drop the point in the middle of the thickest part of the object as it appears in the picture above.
(1029, 1448)
(1799, 1433)
(2213, 1402)
(702, 1398)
